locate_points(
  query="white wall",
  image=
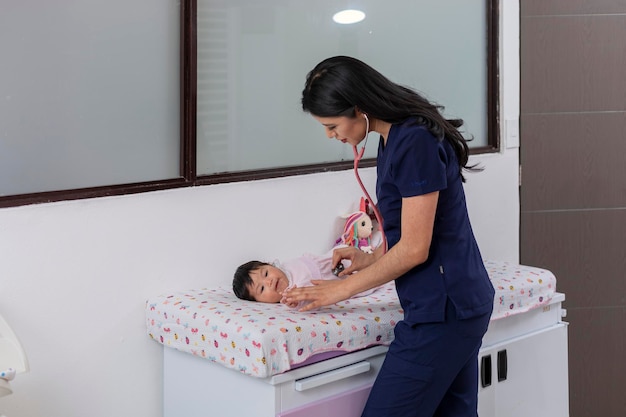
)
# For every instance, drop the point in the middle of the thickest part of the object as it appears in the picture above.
(74, 276)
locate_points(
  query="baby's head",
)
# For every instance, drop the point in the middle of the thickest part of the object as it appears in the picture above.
(259, 281)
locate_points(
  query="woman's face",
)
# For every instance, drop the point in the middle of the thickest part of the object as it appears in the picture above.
(350, 130)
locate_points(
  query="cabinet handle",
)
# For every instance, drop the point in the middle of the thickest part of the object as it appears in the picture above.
(502, 365)
(332, 376)
(485, 371)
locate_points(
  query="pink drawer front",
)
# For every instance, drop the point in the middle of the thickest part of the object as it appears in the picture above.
(346, 404)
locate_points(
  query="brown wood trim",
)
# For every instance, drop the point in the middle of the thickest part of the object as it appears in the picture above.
(82, 193)
(188, 88)
(282, 172)
(493, 77)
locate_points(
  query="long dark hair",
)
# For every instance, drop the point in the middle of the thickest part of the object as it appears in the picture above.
(339, 85)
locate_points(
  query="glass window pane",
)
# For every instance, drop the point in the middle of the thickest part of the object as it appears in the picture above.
(89, 93)
(253, 57)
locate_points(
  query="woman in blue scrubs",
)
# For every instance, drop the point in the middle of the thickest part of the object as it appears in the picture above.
(431, 368)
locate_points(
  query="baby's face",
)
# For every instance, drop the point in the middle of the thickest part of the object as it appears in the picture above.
(268, 284)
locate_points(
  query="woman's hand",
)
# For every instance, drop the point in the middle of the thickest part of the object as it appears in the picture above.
(359, 259)
(322, 293)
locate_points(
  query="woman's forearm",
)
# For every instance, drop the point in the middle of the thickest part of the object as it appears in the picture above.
(387, 267)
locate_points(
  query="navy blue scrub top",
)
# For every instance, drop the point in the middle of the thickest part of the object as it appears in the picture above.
(413, 162)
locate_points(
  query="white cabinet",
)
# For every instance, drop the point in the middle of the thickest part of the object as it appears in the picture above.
(523, 366)
(525, 376)
(195, 387)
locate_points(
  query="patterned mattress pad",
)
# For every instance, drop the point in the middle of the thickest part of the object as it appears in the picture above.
(519, 288)
(261, 340)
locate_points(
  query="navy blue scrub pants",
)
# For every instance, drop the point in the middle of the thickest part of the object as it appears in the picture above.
(431, 370)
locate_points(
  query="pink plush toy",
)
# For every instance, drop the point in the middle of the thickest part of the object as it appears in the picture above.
(358, 231)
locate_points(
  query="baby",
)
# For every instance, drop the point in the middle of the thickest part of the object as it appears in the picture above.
(265, 283)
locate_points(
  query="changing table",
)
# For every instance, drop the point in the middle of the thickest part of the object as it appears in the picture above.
(226, 357)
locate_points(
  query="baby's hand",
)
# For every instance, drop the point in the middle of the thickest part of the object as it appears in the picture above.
(292, 304)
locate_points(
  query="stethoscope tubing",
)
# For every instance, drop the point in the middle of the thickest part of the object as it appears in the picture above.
(358, 155)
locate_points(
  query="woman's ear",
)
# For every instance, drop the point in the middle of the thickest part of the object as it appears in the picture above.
(359, 114)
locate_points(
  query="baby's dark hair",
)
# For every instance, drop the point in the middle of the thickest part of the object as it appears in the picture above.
(242, 280)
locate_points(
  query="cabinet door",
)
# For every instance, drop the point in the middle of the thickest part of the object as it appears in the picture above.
(529, 376)
(345, 389)
(347, 404)
(486, 387)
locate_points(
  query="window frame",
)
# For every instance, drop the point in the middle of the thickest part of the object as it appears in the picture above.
(188, 150)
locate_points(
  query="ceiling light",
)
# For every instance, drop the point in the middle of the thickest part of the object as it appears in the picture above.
(346, 17)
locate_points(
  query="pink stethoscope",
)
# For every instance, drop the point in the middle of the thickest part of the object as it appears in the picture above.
(358, 155)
